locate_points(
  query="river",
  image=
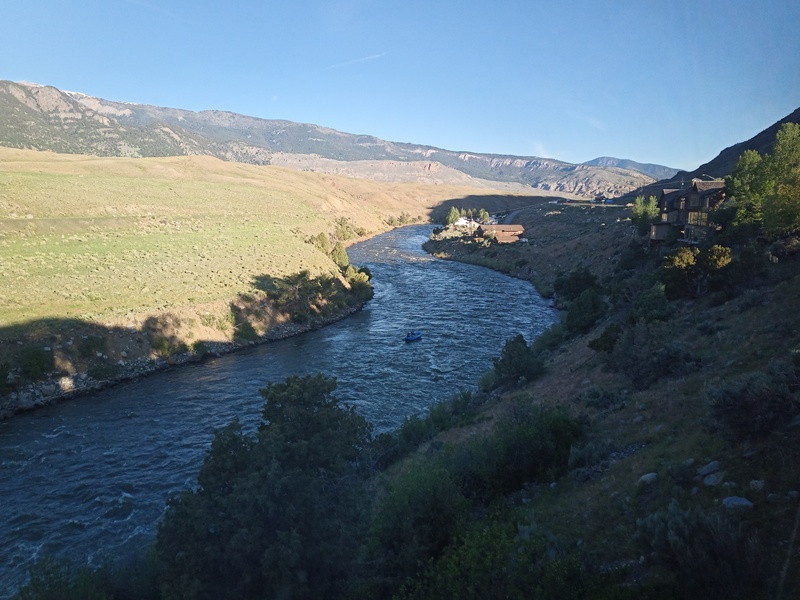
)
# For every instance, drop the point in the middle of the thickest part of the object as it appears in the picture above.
(88, 479)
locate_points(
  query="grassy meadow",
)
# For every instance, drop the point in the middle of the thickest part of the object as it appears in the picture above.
(99, 238)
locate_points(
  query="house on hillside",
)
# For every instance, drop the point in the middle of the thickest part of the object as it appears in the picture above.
(502, 234)
(686, 210)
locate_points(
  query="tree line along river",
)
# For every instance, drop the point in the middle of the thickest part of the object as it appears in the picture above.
(89, 479)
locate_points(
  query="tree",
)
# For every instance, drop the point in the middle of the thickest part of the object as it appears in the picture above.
(321, 242)
(339, 255)
(746, 185)
(517, 360)
(484, 216)
(585, 311)
(277, 513)
(452, 216)
(644, 212)
(782, 201)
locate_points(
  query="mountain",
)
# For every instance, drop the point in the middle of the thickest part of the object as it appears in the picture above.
(45, 118)
(649, 169)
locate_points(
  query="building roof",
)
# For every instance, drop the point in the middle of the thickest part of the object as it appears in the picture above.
(515, 229)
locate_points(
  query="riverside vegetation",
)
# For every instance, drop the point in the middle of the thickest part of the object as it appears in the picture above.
(646, 447)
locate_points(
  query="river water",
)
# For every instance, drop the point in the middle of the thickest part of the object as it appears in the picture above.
(89, 479)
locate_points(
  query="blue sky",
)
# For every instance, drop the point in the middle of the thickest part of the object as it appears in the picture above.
(670, 82)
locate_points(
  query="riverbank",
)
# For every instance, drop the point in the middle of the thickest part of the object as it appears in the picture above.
(120, 354)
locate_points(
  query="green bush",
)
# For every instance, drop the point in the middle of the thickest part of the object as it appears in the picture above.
(5, 371)
(570, 286)
(652, 305)
(756, 403)
(55, 579)
(606, 341)
(517, 360)
(645, 353)
(103, 371)
(584, 312)
(36, 362)
(530, 444)
(710, 555)
(549, 339)
(418, 518)
(90, 345)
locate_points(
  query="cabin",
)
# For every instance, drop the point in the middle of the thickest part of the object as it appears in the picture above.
(502, 234)
(687, 210)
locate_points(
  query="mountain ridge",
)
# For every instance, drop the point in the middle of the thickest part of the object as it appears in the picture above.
(43, 117)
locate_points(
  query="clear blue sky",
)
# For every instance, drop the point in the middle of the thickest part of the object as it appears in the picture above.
(671, 82)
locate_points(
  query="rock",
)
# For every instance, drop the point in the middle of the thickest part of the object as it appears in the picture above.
(757, 485)
(123, 354)
(736, 503)
(714, 479)
(648, 479)
(793, 495)
(25, 401)
(49, 389)
(710, 468)
(638, 419)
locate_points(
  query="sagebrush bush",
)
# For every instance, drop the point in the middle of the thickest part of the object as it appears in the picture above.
(36, 362)
(645, 353)
(756, 403)
(711, 555)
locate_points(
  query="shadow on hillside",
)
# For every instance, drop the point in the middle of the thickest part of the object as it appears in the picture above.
(493, 203)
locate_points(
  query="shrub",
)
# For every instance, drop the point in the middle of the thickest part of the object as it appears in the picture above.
(645, 354)
(5, 371)
(652, 305)
(600, 398)
(415, 522)
(102, 371)
(89, 346)
(529, 444)
(36, 362)
(572, 285)
(584, 312)
(606, 341)
(755, 404)
(710, 555)
(549, 339)
(517, 360)
(51, 578)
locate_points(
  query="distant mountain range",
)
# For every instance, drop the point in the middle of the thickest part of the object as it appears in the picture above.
(44, 118)
(655, 171)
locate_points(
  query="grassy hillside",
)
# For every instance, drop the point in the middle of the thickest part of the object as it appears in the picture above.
(167, 248)
(693, 381)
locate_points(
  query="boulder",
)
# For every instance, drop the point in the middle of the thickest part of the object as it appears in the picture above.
(710, 468)
(736, 503)
(648, 479)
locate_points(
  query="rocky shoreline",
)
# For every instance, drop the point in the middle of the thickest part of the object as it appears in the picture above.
(49, 391)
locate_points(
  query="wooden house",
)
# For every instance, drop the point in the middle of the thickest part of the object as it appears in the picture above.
(687, 211)
(502, 234)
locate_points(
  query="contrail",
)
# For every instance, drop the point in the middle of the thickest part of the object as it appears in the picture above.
(355, 61)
